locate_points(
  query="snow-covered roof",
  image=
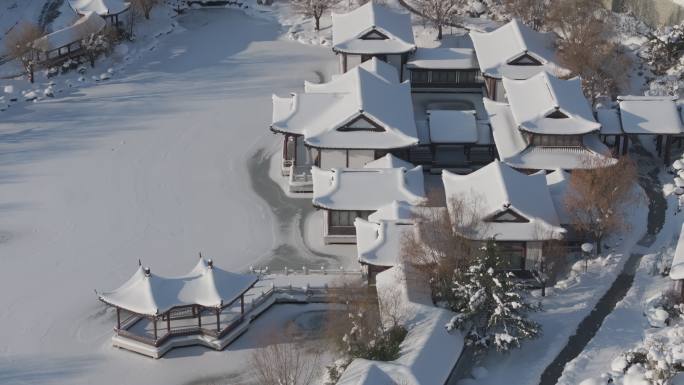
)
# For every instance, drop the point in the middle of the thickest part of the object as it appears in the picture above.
(650, 115)
(379, 243)
(101, 7)
(389, 161)
(513, 205)
(394, 211)
(514, 150)
(558, 182)
(85, 26)
(677, 269)
(545, 104)
(498, 51)
(360, 109)
(205, 285)
(372, 29)
(428, 353)
(610, 121)
(452, 126)
(443, 59)
(366, 189)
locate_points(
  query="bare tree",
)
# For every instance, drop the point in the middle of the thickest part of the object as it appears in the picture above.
(19, 45)
(313, 8)
(439, 12)
(599, 196)
(144, 7)
(530, 12)
(443, 242)
(286, 362)
(358, 330)
(586, 46)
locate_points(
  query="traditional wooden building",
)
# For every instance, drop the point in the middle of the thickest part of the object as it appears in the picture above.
(513, 51)
(444, 69)
(110, 10)
(155, 313)
(346, 194)
(546, 124)
(357, 117)
(66, 43)
(657, 117)
(372, 30)
(515, 209)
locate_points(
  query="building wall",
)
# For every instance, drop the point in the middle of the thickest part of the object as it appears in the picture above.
(395, 61)
(345, 158)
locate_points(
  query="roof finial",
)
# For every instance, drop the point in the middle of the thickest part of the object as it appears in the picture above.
(147, 272)
(507, 205)
(210, 263)
(139, 263)
(200, 255)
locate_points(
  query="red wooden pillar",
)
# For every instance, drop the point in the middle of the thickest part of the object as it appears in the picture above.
(218, 319)
(118, 319)
(616, 145)
(625, 145)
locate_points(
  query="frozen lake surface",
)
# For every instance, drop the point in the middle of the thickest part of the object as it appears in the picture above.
(152, 165)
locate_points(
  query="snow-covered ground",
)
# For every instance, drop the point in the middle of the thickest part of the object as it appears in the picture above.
(627, 326)
(151, 164)
(564, 307)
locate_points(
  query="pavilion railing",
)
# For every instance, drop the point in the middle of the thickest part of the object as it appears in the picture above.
(278, 294)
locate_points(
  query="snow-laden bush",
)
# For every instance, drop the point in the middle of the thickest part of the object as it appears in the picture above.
(489, 306)
(656, 362)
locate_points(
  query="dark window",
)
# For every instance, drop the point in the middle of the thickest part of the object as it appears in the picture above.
(419, 77)
(525, 60)
(361, 123)
(557, 114)
(512, 254)
(365, 58)
(444, 76)
(509, 215)
(557, 140)
(374, 35)
(342, 222)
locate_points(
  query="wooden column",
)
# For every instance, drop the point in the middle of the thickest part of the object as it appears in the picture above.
(218, 320)
(616, 145)
(625, 144)
(118, 318)
(168, 321)
(199, 317)
(668, 145)
(344, 62)
(154, 319)
(659, 144)
(242, 304)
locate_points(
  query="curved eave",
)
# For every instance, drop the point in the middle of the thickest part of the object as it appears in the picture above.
(359, 148)
(596, 130)
(347, 51)
(277, 130)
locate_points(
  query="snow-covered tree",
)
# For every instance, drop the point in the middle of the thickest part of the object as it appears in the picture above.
(489, 306)
(359, 332)
(439, 13)
(530, 12)
(94, 45)
(664, 48)
(313, 8)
